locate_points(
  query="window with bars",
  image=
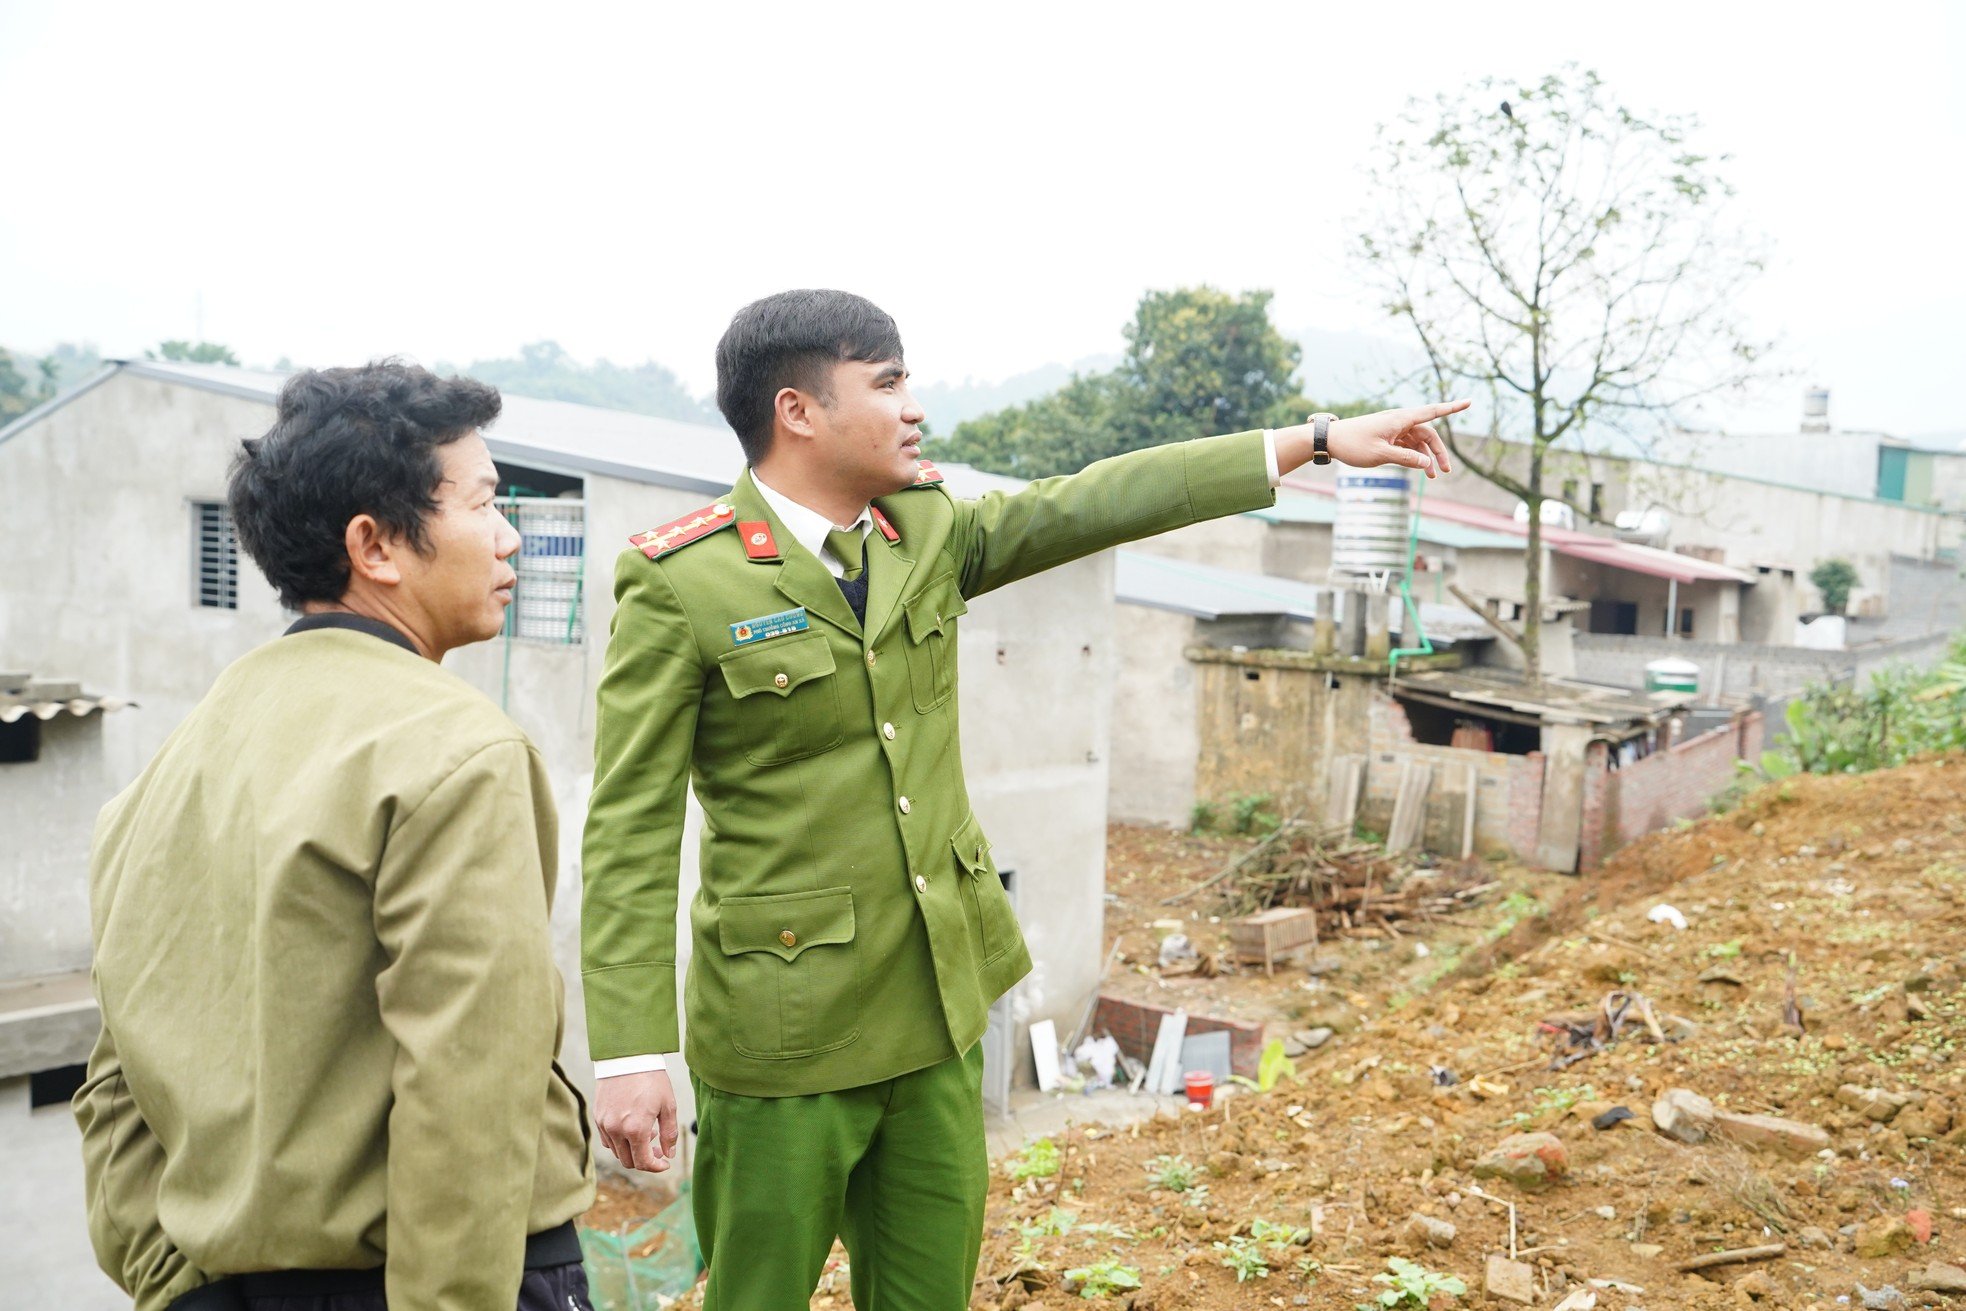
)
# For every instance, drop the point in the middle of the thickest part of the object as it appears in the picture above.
(546, 604)
(214, 557)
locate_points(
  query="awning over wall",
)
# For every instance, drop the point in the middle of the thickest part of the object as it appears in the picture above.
(21, 695)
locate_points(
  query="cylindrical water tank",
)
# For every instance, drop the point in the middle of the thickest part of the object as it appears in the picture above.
(1370, 535)
(1670, 675)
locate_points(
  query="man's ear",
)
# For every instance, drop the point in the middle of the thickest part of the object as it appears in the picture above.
(372, 551)
(794, 411)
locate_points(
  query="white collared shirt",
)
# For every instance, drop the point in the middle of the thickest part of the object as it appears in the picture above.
(809, 528)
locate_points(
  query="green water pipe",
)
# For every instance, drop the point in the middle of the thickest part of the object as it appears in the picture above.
(1426, 646)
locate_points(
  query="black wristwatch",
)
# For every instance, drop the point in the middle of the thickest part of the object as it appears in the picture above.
(1320, 427)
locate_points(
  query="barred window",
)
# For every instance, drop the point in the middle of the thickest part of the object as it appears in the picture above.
(546, 604)
(214, 557)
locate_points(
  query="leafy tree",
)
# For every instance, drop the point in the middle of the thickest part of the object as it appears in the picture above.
(1197, 361)
(17, 394)
(1835, 579)
(1569, 261)
(544, 370)
(186, 352)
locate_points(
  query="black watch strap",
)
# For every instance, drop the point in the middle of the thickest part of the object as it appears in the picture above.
(1320, 431)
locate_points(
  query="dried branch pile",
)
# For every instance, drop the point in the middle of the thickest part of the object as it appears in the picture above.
(1354, 886)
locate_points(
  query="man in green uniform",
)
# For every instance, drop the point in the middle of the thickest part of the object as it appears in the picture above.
(326, 1077)
(791, 651)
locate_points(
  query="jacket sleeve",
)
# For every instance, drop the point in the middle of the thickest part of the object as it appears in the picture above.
(122, 1167)
(1002, 537)
(631, 852)
(469, 992)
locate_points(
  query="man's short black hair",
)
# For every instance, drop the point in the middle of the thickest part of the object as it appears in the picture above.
(347, 442)
(793, 339)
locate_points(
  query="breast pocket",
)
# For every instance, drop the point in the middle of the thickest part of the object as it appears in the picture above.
(931, 617)
(789, 698)
(794, 983)
(983, 896)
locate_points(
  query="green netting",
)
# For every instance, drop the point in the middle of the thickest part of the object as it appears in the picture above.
(639, 1270)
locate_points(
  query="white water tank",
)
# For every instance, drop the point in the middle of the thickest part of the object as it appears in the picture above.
(1815, 410)
(1370, 535)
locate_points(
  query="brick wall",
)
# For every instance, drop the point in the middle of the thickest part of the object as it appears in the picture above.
(1135, 1025)
(1505, 784)
(1650, 794)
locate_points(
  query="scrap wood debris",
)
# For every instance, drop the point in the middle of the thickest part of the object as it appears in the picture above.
(1354, 886)
(1580, 1037)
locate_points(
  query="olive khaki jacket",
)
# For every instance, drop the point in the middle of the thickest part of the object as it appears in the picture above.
(851, 925)
(330, 1009)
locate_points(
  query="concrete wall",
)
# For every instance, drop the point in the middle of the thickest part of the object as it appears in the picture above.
(1155, 737)
(1507, 795)
(48, 811)
(1745, 669)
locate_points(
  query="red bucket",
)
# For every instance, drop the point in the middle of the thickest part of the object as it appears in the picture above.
(1201, 1088)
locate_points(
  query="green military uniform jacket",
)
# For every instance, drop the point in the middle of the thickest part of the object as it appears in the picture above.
(329, 1004)
(850, 925)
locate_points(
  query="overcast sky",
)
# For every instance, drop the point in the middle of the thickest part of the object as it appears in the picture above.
(332, 182)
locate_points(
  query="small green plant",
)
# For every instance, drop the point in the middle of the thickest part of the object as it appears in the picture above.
(1251, 815)
(1242, 1255)
(1173, 1173)
(1037, 1161)
(1196, 1197)
(1408, 1283)
(1725, 950)
(1264, 1231)
(1104, 1278)
(1271, 1068)
(1054, 1224)
(1554, 1101)
(1835, 579)
(1203, 818)
(1307, 1268)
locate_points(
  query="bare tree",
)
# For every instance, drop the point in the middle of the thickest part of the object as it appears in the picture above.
(1567, 261)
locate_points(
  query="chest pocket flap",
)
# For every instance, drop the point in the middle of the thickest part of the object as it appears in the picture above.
(787, 924)
(934, 609)
(779, 665)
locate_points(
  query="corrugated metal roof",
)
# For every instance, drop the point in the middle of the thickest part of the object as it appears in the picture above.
(1210, 592)
(1629, 556)
(1554, 700)
(1439, 532)
(21, 696)
(564, 437)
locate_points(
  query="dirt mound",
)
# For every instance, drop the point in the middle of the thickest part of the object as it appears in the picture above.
(1838, 903)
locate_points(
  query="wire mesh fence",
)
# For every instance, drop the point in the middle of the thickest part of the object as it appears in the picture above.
(547, 604)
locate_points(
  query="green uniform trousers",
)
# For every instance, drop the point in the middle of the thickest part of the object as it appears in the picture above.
(897, 1168)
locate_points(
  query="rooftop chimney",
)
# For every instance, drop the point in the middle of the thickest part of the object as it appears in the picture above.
(1815, 410)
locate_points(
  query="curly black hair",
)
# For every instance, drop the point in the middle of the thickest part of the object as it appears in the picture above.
(793, 339)
(347, 442)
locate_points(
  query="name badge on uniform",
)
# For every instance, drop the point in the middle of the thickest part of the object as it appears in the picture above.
(768, 626)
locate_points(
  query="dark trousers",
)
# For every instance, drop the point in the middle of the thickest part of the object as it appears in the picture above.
(556, 1288)
(554, 1281)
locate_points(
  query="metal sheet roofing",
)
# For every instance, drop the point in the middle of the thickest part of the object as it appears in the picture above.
(1439, 532)
(1210, 592)
(1553, 701)
(1629, 556)
(21, 696)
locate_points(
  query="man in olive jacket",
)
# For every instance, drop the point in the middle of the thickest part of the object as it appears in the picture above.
(330, 1012)
(790, 649)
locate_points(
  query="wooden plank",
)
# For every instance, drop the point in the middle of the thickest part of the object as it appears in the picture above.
(1409, 808)
(1560, 829)
(1341, 800)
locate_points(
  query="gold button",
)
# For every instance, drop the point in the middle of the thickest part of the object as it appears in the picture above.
(905, 807)
(921, 884)
(887, 731)
(789, 938)
(781, 681)
(870, 660)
